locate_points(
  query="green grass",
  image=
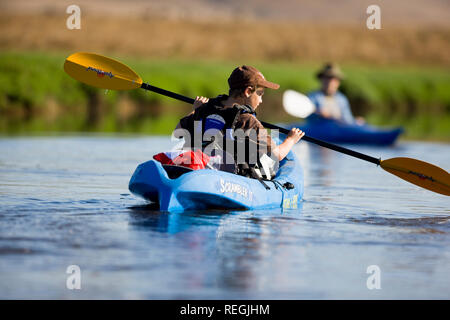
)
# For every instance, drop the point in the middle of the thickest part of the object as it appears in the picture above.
(417, 98)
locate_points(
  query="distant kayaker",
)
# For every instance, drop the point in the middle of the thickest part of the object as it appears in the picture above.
(329, 101)
(234, 117)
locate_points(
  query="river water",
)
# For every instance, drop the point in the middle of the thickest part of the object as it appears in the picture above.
(360, 233)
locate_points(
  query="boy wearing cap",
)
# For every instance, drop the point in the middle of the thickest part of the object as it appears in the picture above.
(330, 102)
(234, 113)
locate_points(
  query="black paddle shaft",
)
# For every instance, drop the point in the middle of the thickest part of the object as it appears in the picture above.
(170, 94)
(334, 147)
(327, 145)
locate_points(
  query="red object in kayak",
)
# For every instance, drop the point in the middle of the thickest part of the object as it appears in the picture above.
(190, 159)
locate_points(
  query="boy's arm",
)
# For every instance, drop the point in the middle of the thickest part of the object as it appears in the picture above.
(279, 151)
(283, 149)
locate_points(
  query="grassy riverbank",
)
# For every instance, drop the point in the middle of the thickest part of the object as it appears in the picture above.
(36, 95)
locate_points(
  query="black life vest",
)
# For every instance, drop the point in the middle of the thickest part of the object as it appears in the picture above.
(220, 123)
(212, 118)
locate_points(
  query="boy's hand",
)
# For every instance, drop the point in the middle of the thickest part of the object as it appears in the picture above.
(200, 101)
(295, 135)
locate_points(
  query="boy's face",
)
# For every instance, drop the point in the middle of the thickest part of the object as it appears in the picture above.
(330, 85)
(254, 98)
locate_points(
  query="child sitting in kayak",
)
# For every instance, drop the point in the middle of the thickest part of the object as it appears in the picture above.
(329, 101)
(227, 126)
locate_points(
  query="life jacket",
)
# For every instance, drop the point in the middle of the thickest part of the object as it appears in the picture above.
(212, 118)
(211, 121)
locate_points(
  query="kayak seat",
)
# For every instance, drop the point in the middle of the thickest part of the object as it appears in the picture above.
(175, 171)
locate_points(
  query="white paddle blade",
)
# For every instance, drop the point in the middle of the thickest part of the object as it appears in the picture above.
(297, 104)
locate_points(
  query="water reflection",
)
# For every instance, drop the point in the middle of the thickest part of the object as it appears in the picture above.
(148, 216)
(226, 249)
(423, 225)
(326, 165)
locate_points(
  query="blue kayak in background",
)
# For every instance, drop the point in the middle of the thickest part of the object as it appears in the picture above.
(334, 131)
(177, 188)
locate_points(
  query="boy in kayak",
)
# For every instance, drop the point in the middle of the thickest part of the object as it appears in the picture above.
(227, 125)
(331, 103)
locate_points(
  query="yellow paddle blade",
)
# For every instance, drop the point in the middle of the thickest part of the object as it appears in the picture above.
(420, 173)
(101, 72)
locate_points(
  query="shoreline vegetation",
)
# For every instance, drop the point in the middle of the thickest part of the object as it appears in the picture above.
(37, 96)
(399, 75)
(396, 76)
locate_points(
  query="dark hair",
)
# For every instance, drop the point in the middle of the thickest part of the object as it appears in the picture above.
(237, 92)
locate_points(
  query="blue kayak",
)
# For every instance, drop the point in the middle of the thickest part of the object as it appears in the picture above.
(178, 188)
(334, 131)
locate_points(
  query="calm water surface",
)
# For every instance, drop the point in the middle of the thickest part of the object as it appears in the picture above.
(65, 201)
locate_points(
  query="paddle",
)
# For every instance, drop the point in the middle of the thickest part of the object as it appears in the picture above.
(297, 104)
(106, 73)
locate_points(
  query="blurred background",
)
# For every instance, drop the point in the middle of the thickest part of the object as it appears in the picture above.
(399, 75)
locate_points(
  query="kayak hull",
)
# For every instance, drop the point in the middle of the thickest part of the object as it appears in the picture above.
(209, 189)
(338, 132)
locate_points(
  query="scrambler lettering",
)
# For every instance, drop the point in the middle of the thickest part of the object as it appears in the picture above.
(230, 187)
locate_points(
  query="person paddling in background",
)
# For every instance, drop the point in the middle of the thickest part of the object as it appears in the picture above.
(228, 114)
(329, 101)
